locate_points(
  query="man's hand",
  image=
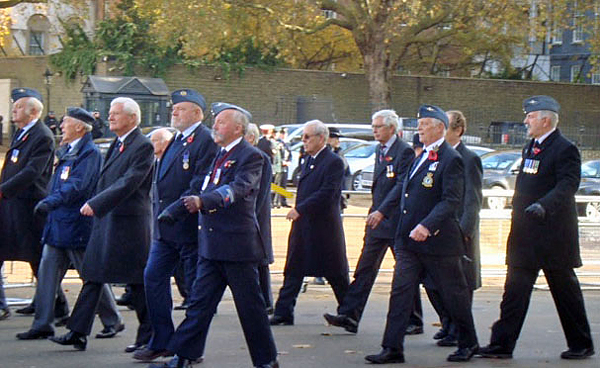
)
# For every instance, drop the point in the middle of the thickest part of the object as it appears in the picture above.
(192, 203)
(293, 215)
(86, 210)
(165, 218)
(41, 208)
(536, 210)
(419, 233)
(374, 219)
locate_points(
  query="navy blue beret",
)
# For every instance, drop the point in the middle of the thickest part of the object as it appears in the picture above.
(18, 93)
(188, 95)
(537, 103)
(80, 114)
(218, 107)
(334, 133)
(432, 111)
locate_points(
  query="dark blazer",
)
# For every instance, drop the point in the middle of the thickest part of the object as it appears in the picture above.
(22, 184)
(263, 209)
(73, 182)
(179, 179)
(432, 198)
(386, 188)
(228, 228)
(554, 242)
(316, 245)
(120, 239)
(468, 213)
(264, 144)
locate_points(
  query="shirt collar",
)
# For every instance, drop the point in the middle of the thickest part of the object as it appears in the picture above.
(316, 154)
(435, 144)
(124, 136)
(542, 138)
(190, 130)
(390, 142)
(456, 145)
(233, 144)
(72, 144)
(28, 126)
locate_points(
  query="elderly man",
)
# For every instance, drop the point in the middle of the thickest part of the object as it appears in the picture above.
(25, 174)
(316, 244)
(543, 235)
(428, 239)
(263, 215)
(230, 247)
(393, 157)
(120, 238)
(67, 232)
(179, 172)
(468, 216)
(160, 139)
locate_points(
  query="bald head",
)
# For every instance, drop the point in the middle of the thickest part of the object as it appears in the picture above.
(160, 140)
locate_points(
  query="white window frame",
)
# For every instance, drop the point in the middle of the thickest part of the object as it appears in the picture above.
(575, 69)
(596, 78)
(555, 73)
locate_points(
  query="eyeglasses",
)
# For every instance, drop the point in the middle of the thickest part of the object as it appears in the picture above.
(307, 136)
(377, 126)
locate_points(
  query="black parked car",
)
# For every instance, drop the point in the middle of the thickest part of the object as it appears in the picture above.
(590, 185)
(500, 171)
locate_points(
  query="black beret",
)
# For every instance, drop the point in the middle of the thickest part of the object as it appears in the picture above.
(188, 95)
(432, 111)
(334, 132)
(18, 93)
(80, 114)
(537, 103)
(217, 107)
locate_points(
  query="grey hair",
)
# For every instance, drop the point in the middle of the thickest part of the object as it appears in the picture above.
(390, 118)
(320, 128)
(129, 106)
(241, 119)
(252, 131)
(550, 115)
(33, 103)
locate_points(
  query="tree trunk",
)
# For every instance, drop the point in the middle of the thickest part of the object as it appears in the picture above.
(377, 71)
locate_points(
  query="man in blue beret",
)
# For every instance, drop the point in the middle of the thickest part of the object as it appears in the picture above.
(429, 240)
(178, 172)
(543, 235)
(25, 174)
(67, 232)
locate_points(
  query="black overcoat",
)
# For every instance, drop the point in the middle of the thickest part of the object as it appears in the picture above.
(23, 182)
(120, 239)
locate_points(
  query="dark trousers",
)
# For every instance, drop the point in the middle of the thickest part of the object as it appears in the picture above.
(446, 272)
(163, 259)
(292, 283)
(82, 317)
(366, 271)
(437, 302)
(212, 278)
(264, 279)
(568, 300)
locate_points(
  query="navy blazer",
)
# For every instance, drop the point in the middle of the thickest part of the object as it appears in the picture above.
(432, 198)
(228, 228)
(552, 243)
(388, 177)
(73, 182)
(182, 176)
(263, 209)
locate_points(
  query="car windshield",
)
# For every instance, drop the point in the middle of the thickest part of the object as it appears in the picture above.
(590, 169)
(362, 151)
(499, 161)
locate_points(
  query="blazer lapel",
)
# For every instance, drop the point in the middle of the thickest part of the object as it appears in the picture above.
(113, 157)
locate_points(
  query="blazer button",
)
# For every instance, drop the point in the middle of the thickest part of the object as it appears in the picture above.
(404, 212)
(160, 201)
(405, 195)
(210, 229)
(199, 227)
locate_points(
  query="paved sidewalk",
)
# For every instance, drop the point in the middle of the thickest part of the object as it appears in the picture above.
(310, 343)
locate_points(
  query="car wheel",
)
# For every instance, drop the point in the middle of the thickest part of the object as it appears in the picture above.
(357, 181)
(592, 211)
(496, 203)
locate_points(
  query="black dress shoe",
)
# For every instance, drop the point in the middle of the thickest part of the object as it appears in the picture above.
(342, 321)
(133, 347)
(270, 310)
(61, 321)
(148, 355)
(495, 352)
(110, 331)
(273, 364)
(414, 330)
(463, 354)
(177, 362)
(449, 340)
(440, 334)
(26, 310)
(577, 353)
(124, 300)
(34, 334)
(4, 314)
(76, 339)
(387, 355)
(276, 320)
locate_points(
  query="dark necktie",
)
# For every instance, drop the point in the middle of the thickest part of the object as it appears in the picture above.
(169, 155)
(382, 153)
(16, 136)
(309, 161)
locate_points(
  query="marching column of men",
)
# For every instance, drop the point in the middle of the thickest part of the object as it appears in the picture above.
(210, 213)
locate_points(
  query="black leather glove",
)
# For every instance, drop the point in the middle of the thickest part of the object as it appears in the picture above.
(41, 208)
(166, 218)
(536, 210)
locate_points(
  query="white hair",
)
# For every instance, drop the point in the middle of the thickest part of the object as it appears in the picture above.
(389, 118)
(320, 128)
(33, 103)
(129, 106)
(252, 131)
(550, 115)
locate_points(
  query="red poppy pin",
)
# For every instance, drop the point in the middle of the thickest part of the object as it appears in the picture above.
(122, 148)
(229, 163)
(389, 158)
(536, 150)
(190, 139)
(432, 155)
(25, 137)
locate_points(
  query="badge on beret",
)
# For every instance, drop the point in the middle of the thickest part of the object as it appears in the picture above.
(428, 180)
(183, 93)
(429, 108)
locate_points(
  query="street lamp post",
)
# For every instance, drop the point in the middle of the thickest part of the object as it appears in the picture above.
(48, 81)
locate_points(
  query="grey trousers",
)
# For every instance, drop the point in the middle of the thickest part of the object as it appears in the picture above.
(53, 267)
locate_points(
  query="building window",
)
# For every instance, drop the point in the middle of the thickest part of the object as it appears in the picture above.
(577, 26)
(36, 43)
(575, 73)
(555, 73)
(596, 78)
